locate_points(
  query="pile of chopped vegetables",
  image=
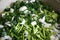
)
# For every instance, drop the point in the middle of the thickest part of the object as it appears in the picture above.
(28, 21)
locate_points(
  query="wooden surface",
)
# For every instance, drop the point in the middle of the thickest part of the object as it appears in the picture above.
(55, 4)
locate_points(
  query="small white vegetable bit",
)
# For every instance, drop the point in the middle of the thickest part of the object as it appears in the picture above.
(6, 38)
(1, 26)
(23, 22)
(44, 23)
(23, 8)
(33, 23)
(32, 1)
(11, 10)
(8, 23)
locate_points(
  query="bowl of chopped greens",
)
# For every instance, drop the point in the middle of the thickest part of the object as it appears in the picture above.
(30, 20)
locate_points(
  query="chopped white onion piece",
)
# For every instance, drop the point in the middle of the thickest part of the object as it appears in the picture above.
(33, 23)
(23, 8)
